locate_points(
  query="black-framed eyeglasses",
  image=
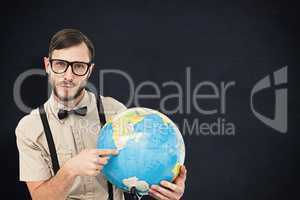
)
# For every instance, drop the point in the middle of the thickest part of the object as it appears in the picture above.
(59, 66)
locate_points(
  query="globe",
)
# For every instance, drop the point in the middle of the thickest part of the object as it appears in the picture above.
(151, 149)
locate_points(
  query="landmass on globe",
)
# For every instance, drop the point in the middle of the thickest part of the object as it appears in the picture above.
(141, 185)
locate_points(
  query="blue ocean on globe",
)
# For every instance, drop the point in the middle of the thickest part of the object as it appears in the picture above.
(151, 149)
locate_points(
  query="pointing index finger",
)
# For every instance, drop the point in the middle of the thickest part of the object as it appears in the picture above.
(107, 152)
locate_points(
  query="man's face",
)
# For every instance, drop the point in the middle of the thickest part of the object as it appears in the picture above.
(68, 86)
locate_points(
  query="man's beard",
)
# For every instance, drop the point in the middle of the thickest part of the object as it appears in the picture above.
(68, 98)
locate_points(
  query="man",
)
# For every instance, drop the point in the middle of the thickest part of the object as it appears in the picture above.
(71, 114)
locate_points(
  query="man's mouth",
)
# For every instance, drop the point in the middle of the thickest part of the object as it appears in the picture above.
(67, 85)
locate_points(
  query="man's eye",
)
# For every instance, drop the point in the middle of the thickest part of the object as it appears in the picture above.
(60, 63)
(79, 66)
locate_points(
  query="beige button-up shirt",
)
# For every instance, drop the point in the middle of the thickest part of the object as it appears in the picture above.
(71, 135)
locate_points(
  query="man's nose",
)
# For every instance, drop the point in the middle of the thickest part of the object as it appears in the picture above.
(68, 75)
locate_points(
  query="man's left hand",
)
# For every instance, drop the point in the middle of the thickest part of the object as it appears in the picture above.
(170, 191)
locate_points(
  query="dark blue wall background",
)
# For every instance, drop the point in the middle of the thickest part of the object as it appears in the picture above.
(241, 41)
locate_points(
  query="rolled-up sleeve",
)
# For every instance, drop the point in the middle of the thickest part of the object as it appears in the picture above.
(32, 162)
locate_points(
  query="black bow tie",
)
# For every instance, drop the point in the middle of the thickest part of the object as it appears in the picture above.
(65, 113)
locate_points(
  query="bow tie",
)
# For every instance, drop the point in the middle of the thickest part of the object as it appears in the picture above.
(65, 113)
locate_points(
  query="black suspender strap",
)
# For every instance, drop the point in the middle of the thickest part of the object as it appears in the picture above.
(100, 110)
(49, 137)
(103, 121)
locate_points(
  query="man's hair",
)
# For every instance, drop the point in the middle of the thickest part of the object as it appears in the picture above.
(70, 37)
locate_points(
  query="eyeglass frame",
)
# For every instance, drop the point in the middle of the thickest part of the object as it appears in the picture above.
(70, 64)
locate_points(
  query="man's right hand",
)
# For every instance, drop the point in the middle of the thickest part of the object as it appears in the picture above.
(89, 162)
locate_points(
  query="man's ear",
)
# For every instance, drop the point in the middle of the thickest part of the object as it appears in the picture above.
(91, 70)
(47, 64)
